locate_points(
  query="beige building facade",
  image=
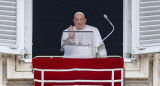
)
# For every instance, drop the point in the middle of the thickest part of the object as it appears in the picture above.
(140, 53)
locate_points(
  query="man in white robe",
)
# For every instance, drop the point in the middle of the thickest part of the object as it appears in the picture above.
(85, 35)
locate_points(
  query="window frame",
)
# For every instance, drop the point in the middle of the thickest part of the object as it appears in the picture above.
(131, 29)
(127, 30)
(28, 32)
(18, 48)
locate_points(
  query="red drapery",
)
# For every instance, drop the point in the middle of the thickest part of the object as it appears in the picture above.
(65, 64)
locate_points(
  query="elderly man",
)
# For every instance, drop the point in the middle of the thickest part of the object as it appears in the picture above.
(73, 38)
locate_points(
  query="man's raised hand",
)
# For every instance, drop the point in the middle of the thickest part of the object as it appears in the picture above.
(71, 34)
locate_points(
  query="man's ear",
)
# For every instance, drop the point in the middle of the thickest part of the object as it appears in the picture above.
(85, 20)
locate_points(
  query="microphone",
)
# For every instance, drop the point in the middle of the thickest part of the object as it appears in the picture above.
(105, 16)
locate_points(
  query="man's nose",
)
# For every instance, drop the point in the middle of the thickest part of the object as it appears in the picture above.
(79, 22)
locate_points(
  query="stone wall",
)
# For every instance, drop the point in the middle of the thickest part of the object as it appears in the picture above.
(14, 72)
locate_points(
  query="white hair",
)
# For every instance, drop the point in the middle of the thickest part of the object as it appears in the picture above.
(79, 13)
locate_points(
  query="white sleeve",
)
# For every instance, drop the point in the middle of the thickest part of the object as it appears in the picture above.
(102, 50)
(98, 43)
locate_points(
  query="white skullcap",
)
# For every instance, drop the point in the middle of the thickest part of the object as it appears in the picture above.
(79, 13)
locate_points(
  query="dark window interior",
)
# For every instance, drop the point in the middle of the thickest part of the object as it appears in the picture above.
(51, 17)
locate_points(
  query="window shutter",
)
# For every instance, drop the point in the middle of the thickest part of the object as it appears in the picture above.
(12, 26)
(145, 26)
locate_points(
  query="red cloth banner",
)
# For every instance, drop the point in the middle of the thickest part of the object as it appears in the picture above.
(73, 71)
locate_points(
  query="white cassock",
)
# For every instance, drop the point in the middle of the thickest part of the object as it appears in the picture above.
(88, 36)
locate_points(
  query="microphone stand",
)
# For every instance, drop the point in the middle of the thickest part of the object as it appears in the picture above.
(96, 50)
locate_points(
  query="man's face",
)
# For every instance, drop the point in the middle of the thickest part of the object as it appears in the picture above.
(79, 21)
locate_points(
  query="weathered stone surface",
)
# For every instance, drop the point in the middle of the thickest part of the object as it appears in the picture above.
(143, 66)
(20, 84)
(136, 83)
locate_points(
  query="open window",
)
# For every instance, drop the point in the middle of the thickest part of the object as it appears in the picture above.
(141, 27)
(16, 27)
